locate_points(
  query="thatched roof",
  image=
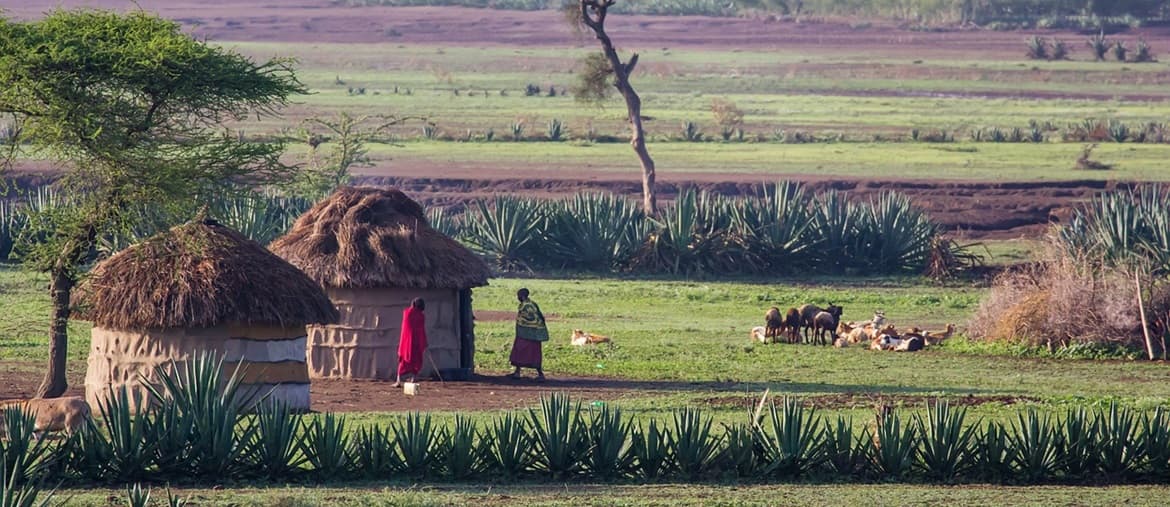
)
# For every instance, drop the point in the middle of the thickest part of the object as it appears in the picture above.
(362, 237)
(200, 274)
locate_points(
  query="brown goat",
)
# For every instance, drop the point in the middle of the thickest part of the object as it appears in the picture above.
(774, 324)
(825, 322)
(792, 325)
(808, 313)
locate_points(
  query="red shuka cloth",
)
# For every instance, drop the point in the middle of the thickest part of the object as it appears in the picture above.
(412, 342)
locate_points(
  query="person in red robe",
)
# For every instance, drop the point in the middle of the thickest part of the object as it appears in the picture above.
(412, 342)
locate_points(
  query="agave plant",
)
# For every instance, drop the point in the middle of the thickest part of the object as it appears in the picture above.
(652, 449)
(218, 442)
(1036, 447)
(946, 445)
(897, 236)
(1037, 48)
(448, 225)
(419, 445)
(1120, 443)
(796, 443)
(461, 452)
(510, 446)
(836, 228)
(327, 447)
(611, 446)
(774, 227)
(561, 441)
(692, 236)
(694, 447)
(1099, 45)
(1156, 436)
(556, 129)
(24, 457)
(276, 446)
(845, 452)
(137, 496)
(894, 447)
(124, 452)
(374, 453)
(505, 229)
(592, 231)
(740, 457)
(1079, 455)
(15, 492)
(996, 456)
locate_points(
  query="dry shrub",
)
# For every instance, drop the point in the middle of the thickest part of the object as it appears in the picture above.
(1060, 302)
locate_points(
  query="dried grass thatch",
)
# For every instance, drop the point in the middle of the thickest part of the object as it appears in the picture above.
(200, 274)
(362, 237)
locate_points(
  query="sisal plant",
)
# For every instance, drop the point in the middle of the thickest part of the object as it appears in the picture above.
(196, 288)
(373, 251)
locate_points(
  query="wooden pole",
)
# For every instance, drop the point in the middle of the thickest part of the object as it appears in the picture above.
(1142, 310)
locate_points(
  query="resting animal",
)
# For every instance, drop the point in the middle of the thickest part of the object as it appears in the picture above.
(885, 342)
(759, 333)
(937, 337)
(581, 338)
(841, 343)
(774, 323)
(910, 344)
(66, 414)
(879, 318)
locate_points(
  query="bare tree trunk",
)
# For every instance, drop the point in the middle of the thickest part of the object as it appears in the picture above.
(60, 289)
(593, 16)
(1142, 311)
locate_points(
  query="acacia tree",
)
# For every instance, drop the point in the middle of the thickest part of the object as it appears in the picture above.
(133, 111)
(594, 87)
(347, 136)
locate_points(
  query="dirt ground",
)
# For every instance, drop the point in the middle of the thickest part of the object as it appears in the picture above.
(323, 21)
(491, 391)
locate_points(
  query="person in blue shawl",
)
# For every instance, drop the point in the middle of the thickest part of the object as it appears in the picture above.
(531, 333)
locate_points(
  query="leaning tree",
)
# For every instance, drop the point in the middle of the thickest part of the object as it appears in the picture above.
(133, 110)
(595, 83)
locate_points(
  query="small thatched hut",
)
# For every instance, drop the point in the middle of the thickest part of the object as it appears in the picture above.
(373, 251)
(196, 288)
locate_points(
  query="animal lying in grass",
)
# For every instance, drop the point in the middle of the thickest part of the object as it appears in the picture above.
(581, 338)
(760, 334)
(66, 414)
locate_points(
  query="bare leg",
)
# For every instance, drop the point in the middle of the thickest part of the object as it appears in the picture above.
(398, 380)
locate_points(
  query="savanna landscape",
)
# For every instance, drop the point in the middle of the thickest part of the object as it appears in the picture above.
(994, 166)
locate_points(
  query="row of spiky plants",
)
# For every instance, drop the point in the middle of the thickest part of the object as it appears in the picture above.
(783, 229)
(206, 429)
(1126, 228)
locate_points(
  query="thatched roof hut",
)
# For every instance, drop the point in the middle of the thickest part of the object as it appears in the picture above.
(373, 251)
(200, 287)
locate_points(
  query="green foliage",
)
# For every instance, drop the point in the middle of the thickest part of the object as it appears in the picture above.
(560, 436)
(947, 442)
(374, 453)
(24, 458)
(593, 232)
(1037, 48)
(796, 443)
(994, 458)
(1099, 45)
(327, 447)
(556, 130)
(611, 445)
(123, 452)
(463, 450)
(895, 446)
(652, 447)
(846, 453)
(594, 82)
(510, 446)
(419, 444)
(136, 496)
(690, 131)
(505, 229)
(1142, 52)
(276, 448)
(1120, 443)
(347, 137)
(1079, 454)
(694, 448)
(1119, 50)
(1121, 228)
(1036, 447)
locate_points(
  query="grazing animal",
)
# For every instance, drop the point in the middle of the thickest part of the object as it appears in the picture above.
(759, 333)
(937, 337)
(581, 338)
(825, 322)
(66, 414)
(808, 313)
(774, 323)
(792, 324)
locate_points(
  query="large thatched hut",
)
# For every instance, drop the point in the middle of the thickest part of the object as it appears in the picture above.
(373, 251)
(197, 288)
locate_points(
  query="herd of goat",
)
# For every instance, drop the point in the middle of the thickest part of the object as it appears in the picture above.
(826, 327)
